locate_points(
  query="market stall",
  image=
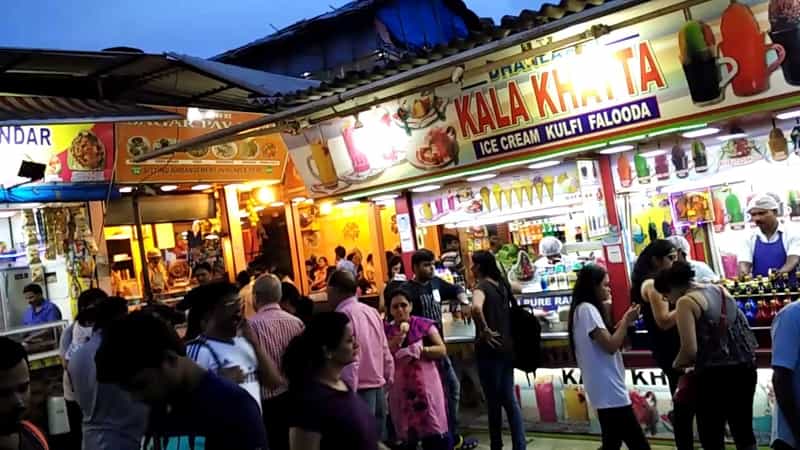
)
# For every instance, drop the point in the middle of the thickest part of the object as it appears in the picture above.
(669, 69)
(196, 208)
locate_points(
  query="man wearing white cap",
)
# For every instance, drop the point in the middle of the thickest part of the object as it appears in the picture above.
(702, 272)
(772, 246)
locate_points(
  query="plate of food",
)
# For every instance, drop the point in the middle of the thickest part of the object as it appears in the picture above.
(197, 152)
(420, 112)
(250, 149)
(228, 150)
(438, 149)
(137, 146)
(164, 142)
(87, 153)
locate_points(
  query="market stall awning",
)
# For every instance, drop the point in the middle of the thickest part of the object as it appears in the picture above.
(28, 110)
(141, 78)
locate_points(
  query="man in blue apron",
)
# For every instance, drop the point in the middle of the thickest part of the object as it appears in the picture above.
(772, 246)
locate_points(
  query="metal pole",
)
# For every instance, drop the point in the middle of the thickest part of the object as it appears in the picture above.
(147, 295)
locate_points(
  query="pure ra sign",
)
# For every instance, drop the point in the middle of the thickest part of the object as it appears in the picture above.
(597, 79)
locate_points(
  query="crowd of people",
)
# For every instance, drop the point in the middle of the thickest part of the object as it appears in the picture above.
(256, 369)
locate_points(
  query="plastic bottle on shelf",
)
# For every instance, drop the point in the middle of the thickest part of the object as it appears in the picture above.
(750, 311)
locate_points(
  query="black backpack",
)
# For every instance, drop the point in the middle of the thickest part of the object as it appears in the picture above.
(526, 333)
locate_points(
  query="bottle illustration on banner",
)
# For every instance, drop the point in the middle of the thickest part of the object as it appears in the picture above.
(743, 40)
(778, 147)
(624, 171)
(662, 167)
(795, 137)
(699, 156)
(680, 160)
(784, 20)
(734, 209)
(701, 66)
(642, 168)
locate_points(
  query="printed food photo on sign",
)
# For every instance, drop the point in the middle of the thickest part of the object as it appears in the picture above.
(73, 153)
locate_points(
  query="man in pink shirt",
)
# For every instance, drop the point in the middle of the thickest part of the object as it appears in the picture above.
(373, 368)
(274, 329)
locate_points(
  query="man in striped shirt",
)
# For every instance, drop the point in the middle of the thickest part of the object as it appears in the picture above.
(274, 329)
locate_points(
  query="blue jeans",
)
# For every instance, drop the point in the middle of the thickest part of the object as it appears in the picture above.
(376, 402)
(452, 392)
(497, 381)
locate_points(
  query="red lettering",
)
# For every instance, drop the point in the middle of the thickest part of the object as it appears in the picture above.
(541, 95)
(502, 120)
(564, 88)
(517, 105)
(648, 69)
(623, 56)
(465, 119)
(484, 115)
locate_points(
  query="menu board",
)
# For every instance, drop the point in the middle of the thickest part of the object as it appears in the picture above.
(256, 158)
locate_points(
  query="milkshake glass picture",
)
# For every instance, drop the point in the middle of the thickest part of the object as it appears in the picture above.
(701, 66)
(743, 41)
(357, 157)
(784, 19)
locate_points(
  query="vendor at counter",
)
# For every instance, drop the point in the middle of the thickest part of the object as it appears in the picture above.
(772, 246)
(550, 249)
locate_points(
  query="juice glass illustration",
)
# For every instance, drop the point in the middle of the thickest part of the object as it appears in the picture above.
(701, 67)
(439, 205)
(357, 157)
(320, 164)
(784, 20)
(427, 212)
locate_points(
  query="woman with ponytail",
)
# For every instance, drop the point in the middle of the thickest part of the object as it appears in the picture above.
(326, 414)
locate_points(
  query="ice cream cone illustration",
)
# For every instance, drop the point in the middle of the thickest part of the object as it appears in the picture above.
(485, 196)
(498, 195)
(528, 186)
(507, 196)
(538, 183)
(549, 183)
(517, 186)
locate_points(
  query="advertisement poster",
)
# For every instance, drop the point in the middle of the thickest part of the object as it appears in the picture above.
(555, 402)
(73, 153)
(257, 158)
(664, 69)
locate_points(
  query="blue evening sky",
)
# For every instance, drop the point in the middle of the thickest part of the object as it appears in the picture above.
(196, 27)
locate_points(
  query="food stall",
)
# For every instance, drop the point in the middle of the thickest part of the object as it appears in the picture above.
(199, 206)
(660, 70)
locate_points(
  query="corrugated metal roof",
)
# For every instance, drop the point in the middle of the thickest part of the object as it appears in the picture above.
(134, 77)
(486, 31)
(25, 110)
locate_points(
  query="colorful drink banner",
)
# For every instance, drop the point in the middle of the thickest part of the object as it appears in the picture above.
(73, 153)
(556, 402)
(257, 158)
(660, 70)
